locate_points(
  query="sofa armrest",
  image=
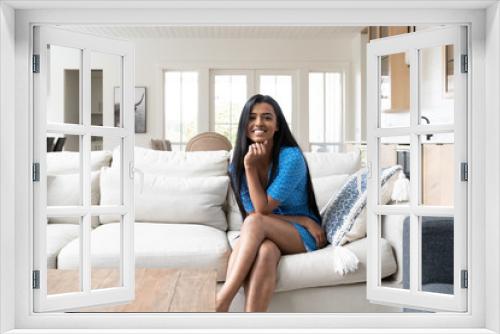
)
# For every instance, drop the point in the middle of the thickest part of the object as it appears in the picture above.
(437, 254)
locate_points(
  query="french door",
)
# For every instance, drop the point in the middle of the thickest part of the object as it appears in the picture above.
(83, 110)
(417, 116)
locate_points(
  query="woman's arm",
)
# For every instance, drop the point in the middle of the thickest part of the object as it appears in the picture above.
(262, 203)
(254, 159)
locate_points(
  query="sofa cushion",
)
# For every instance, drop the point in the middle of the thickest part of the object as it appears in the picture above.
(64, 190)
(329, 163)
(313, 269)
(67, 162)
(166, 199)
(326, 186)
(179, 164)
(58, 236)
(156, 246)
(233, 214)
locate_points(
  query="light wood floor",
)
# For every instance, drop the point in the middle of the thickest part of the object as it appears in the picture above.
(156, 290)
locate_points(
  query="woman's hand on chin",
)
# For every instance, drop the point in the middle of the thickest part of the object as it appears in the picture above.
(255, 155)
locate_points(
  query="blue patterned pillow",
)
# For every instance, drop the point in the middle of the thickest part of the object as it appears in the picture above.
(344, 216)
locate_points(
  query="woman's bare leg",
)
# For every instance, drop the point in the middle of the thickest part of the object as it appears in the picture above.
(260, 283)
(255, 229)
(232, 256)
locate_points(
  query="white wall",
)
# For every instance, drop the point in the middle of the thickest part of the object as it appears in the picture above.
(355, 129)
(154, 54)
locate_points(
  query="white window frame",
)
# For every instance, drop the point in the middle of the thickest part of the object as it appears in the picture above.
(164, 134)
(214, 72)
(483, 123)
(300, 89)
(345, 89)
(293, 73)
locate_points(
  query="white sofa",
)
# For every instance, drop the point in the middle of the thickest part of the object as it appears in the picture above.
(187, 217)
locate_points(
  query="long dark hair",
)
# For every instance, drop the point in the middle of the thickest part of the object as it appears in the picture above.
(282, 137)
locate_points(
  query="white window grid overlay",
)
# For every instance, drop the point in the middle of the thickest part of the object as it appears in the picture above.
(414, 296)
(87, 296)
(474, 320)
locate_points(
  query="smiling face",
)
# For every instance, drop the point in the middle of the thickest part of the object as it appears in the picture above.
(262, 123)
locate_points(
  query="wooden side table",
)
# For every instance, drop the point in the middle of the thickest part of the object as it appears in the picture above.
(156, 289)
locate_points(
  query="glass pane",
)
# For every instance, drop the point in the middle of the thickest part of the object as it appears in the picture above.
(63, 259)
(230, 95)
(226, 130)
(63, 170)
(436, 85)
(178, 147)
(317, 122)
(333, 107)
(181, 106)
(437, 254)
(63, 95)
(173, 106)
(394, 97)
(394, 170)
(279, 87)
(105, 89)
(106, 185)
(324, 147)
(105, 250)
(189, 105)
(140, 110)
(438, 169)
(394, 270)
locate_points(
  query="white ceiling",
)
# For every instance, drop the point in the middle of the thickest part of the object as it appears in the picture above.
(132, 32)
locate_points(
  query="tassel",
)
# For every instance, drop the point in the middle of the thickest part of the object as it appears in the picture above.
(401, 189)
(344, 260)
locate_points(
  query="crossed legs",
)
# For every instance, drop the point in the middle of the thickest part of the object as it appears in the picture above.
(254, 260)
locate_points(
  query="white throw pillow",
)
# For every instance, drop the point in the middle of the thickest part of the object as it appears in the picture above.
(64, 190)
(178, 164)
(234, 218)
(327, 186)
(166, 199)
(67, 162)
(344, 216)
(326, 163)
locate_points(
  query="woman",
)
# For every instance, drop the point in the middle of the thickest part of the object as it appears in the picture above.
(273, 189)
